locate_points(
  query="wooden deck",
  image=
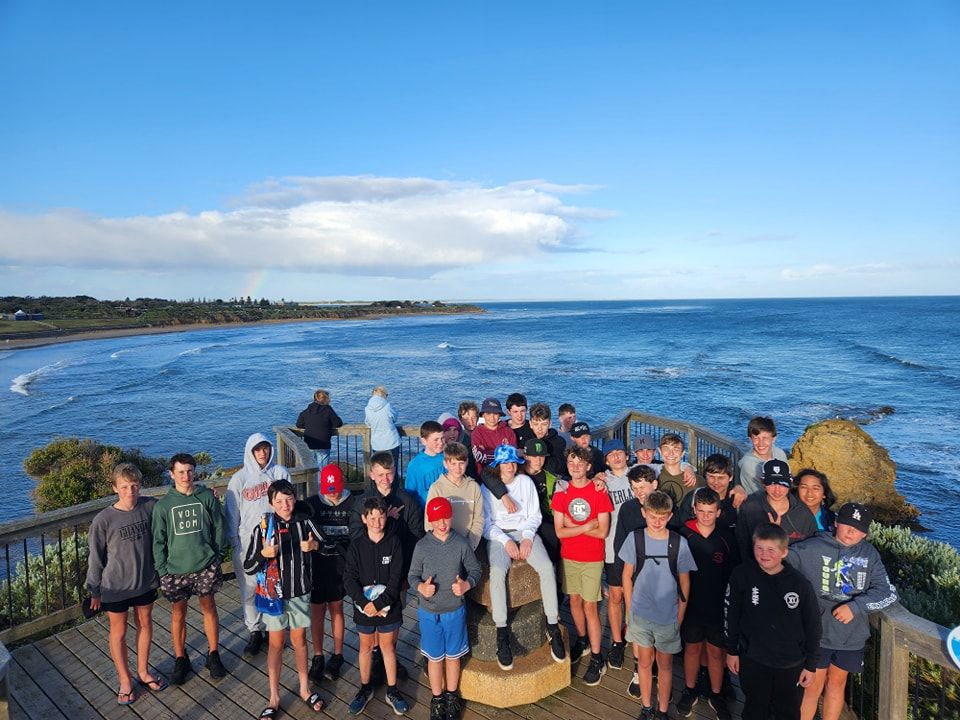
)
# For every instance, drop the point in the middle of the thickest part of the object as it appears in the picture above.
(70, 676)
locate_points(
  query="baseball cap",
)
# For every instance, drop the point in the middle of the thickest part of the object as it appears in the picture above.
(777, 472)
(505, 454)
(610, 446)
(439, 509)
(331, 480)
(579, 429)
(644, 442)
(536, 448)
(491, 405)
(855, 515)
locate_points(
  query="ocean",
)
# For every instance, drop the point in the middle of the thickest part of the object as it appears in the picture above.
(713, 362)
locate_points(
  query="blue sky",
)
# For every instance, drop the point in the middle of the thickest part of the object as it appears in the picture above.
(315, 150)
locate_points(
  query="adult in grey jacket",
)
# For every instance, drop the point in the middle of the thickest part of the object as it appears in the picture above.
(850, 582)
(380, 416)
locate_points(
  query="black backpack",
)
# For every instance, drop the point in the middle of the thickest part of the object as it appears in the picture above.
(673, 552)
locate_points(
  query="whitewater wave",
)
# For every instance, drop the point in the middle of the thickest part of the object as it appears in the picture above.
(21, 383)
(665, 372)
(444, 345)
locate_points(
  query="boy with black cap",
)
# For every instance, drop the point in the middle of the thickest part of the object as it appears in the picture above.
(850, 581)
(580, 435)
(774, 504)
(535, 455)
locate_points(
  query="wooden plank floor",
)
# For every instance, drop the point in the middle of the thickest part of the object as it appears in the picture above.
(70, 676)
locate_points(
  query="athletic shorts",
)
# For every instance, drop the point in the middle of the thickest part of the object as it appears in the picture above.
(121, 606)
(327, 579)
(207, 581)
(296, 614)
(613, 574)
(371, 629)
(583, 579)
(849, 660)
(443, 635)
(665, 638)
(695, 630)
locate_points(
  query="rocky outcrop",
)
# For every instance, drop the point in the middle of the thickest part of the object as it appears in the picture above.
(858, 468)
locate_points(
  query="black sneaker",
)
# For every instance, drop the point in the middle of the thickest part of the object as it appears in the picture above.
(504, 653)
(360, 700)
(216, 668)
(316, 669)
(660, 715)
(254, 644)
(615, 656)
(454, 705)
(438, 708)
(396, 701)
(646, 713)
(633, 688)
(334, 665)
(181, 668)
(596, 669)
(578, 648)
(719, 704)
(688, 698)
(557, 649)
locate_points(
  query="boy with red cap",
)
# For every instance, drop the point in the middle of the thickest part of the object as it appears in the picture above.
(442, 570)
(331, 509)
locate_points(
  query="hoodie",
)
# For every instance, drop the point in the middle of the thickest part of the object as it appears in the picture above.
(841, 575)
(246, 500)
(408, 527)
(381, 418)
(797, 521)
(318, 423)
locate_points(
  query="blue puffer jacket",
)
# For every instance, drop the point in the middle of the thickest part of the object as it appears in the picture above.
(381, 418)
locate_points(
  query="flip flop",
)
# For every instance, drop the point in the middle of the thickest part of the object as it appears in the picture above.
(312, 701)
(126, 698)
(268, 712)
(156, 685)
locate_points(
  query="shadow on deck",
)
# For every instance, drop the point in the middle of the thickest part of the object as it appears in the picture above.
(70, 676)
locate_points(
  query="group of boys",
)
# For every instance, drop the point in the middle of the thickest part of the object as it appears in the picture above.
(664, 545)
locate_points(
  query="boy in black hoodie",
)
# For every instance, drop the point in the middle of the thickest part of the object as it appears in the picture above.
(773, 629)
(318, 421)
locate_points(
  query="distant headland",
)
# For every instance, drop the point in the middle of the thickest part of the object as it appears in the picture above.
(34, 321)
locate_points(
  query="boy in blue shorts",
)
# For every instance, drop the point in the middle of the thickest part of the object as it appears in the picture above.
(443, 569)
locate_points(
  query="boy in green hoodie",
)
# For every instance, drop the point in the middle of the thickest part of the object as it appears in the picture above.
(189, 541)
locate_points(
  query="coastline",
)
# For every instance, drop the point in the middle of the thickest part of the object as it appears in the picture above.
(107, 333)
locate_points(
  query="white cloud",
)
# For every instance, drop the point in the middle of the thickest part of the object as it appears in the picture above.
(356, 225)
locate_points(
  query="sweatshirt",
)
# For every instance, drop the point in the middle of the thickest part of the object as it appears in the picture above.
(246, 500)
(422, 471)
(842, 575)
(484, 441)
(467, 502)
(773, 620)
(381, 418)
(408, 527)
(526, 520)
(333, 522)
(189, 532)
(797, 521)
(294, 565)
(372, 563)
(121, 553)
(318, 423)
(444, 562)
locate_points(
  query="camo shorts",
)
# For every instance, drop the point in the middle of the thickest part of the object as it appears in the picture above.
(202, 582)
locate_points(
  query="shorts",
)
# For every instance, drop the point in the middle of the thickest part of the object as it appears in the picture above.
(613, 574)
(296, 614)
(327, 579)
(176, 588)
(849, 660)
(695, 630)
(443, 635)
(583, 579)
(121, 606)
(665, 638)
(371, 629)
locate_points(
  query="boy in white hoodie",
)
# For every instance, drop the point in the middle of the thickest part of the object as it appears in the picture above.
(245, 504)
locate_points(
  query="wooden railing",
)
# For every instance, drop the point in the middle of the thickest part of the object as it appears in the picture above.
(48, 595)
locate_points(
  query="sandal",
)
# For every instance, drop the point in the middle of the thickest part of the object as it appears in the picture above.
(155, 685)
(126, 698)
(314, 700)
(268, 712)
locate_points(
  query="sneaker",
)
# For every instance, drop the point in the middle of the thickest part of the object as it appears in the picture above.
(578, 648)
(646, 713)
(660, 715)
(557, 649)
(719, 704)
(181, 668)
(454, 705)
(504, 653)
(334, 665)
(615, 656)
(360, 700)
(396, 701)
(688, 698)
(596, 669)
(316, 669)
(254, 644)
(216, 668)
(438, 708)
(633, 689)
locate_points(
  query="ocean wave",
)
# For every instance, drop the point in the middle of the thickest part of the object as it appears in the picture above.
(444, 345)
(191, 351)
(21, 383)
(885, 356)
(665, 372)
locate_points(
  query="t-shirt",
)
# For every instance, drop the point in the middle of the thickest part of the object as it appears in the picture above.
(582, 505)
(673, 486)
(751, 469)
(618, 488)
(655, 596)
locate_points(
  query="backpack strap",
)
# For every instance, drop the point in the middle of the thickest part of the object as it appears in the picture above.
(640, 545)
(673, 554)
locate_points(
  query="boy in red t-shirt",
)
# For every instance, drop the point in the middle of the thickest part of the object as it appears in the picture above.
(581, 517)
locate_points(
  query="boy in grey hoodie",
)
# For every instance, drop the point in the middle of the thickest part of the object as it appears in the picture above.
(245, 504)
(850, 581)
